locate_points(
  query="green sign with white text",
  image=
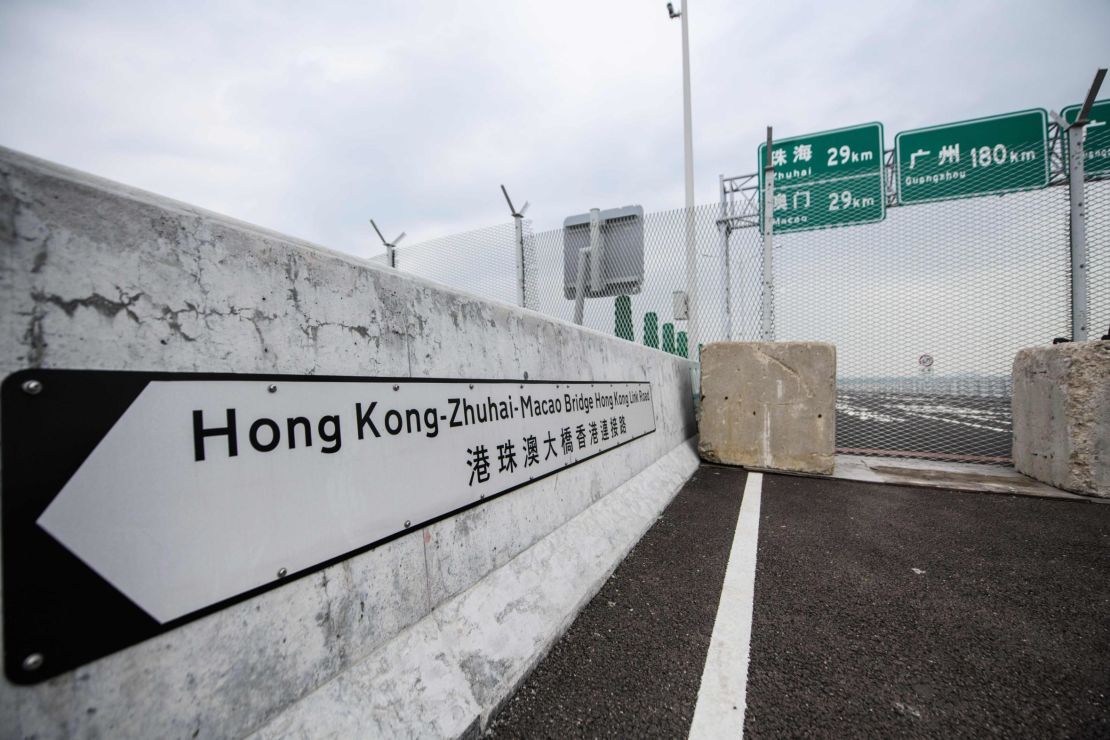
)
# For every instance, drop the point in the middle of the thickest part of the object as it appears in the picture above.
(831, 178)
(998, 154)
(1096, 144)
(851, 200)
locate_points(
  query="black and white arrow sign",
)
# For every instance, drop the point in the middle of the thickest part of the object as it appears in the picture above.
(209, 488)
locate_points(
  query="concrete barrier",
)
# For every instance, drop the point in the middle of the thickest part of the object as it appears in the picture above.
(769, 405)
(1061, 411)
(421, 636)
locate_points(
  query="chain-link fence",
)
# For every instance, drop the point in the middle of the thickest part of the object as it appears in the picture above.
(1098, 256)
(482, 261)
(927, 304)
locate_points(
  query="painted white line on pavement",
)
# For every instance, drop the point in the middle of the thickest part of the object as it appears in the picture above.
(722, 698)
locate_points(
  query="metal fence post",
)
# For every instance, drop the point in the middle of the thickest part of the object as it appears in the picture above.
(521, 286)
(1076, 132)
(1078, 228)
(767, 299)
(518, 230)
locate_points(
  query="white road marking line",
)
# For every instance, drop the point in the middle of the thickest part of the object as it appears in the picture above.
(722, 698)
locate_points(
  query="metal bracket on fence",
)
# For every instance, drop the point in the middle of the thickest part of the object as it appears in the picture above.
(518, 226)
(390, 247)
(597, 252)
(1076, 132)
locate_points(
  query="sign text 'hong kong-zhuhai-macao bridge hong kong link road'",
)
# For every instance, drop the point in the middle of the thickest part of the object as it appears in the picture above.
(832, 178)
(134, 502)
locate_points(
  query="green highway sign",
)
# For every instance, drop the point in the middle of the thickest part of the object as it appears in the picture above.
(831, 178)
(800, 160)
(1096, 145)
(998, 154)
(851, 200)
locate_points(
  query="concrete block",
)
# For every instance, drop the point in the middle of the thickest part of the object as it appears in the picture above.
(1061, 408)
(769, 405)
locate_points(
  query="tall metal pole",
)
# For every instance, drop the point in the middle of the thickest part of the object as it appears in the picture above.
(767, 298)
(692, 331)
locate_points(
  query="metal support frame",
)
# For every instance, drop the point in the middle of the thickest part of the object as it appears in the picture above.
(588, 256)
(597, 252)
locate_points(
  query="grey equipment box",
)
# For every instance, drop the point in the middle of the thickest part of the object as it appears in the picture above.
(622, 237)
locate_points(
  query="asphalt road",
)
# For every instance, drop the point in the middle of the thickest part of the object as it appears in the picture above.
(879, 611)
(888, 611)
(631, 663)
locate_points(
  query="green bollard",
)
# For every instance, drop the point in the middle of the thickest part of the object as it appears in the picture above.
(651, 329)
(668, 338)
(683, 349)
(622, 319)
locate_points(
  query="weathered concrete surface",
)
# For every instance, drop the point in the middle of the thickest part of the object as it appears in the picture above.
(96, 275)
(769, 405)
(1061, 409)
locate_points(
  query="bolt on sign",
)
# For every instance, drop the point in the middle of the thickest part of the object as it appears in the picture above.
(1096, 143)
(146, 500)
(983, 156)
(831, 178)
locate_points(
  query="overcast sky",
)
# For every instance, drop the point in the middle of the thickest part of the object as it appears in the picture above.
(309, 118)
